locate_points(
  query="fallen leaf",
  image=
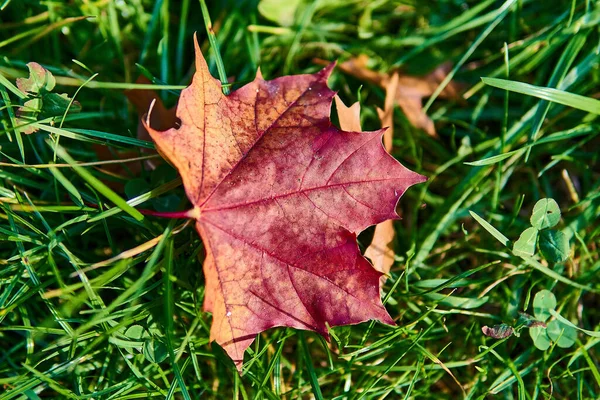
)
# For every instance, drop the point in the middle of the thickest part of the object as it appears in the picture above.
(381, 250)
(357, 67)
(410, 90)
(386, 116)
(41, 102)
(39, 79)
(26, 115)
(349, 116)
(279, 196)
(501, 331)
(161, 118)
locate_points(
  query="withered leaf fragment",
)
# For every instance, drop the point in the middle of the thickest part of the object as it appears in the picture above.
(409, 90)
(279, 196)
(501, 331)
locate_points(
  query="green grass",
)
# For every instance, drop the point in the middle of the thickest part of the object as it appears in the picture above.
(101, 302)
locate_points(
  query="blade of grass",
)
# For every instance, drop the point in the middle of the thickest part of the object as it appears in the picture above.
(212, 38)
(169, 315)
(493, 231)
(99, 186)
(140, 199)
(73, 134)
(60, 177)
(13, 121)
(181, 39)
(564, 63)
(312, 376)
(502, 11)
(554, 95)
(12, 88)
(585, 130)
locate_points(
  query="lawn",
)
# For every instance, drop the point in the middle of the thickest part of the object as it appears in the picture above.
(494, 278)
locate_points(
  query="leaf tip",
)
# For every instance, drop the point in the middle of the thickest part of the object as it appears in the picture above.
(259, 75)
(326, 72)
(388, 320)
(200, 60)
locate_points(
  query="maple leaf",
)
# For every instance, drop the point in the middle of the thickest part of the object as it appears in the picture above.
(279, 196)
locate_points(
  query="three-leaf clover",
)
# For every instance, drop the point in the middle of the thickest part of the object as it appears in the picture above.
(553, 244)
(147, 340)
(555, 331)
(542, 334)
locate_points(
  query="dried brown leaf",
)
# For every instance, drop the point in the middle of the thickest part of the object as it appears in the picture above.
(410, 89)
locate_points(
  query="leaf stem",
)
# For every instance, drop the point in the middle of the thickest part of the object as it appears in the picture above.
(169, 214)
(187, 214)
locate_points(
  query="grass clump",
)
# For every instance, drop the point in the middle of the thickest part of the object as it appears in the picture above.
(98, 302)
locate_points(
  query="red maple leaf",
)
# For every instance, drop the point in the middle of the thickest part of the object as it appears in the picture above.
(279, 195)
